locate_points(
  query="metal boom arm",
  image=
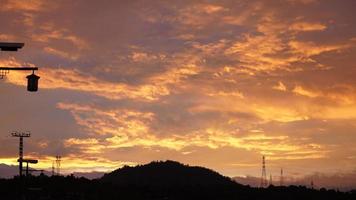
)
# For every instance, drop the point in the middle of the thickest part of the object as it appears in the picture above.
(19, 68)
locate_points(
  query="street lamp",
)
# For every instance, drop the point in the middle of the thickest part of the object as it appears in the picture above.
(32, 82)
(32, 79)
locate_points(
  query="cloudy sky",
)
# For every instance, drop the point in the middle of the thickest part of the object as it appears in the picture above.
(210, 83)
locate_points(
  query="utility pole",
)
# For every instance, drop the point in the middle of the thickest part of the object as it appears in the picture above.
(20, 135)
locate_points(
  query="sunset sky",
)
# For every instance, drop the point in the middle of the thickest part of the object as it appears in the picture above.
(210, 83)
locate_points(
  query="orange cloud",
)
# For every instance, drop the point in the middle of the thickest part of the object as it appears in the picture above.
(124, 128)
(145, 57)
(7, 37)
(24, 5)
(133, 123)
(280, 87)
(228, 94)
(304, 26)
(308, 49)
(276, 47)
(301, 91)
(212, 8)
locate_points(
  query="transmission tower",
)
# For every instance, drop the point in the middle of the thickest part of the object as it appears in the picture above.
(263, 177)
(281, 178)
(52, 168)
(270, 179)
(20, 135)
(58, 164)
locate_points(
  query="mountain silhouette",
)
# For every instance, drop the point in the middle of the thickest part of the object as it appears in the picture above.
(167, 174)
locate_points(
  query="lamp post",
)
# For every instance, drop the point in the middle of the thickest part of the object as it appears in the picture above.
(32, 79)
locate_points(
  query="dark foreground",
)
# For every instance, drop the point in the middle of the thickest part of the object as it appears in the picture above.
(156, 180)
(44, 187)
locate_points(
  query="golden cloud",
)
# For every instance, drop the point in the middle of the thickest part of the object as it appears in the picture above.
(212, 8)
(71, 163)
(308, 49)
(23, 5)
(115, 121)
(301, 91)
(126, 128)
(276, 47)
(305, 26)
(280, 87)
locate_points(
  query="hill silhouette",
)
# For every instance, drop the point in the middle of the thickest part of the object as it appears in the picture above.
(167, 174)
(156, 180)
